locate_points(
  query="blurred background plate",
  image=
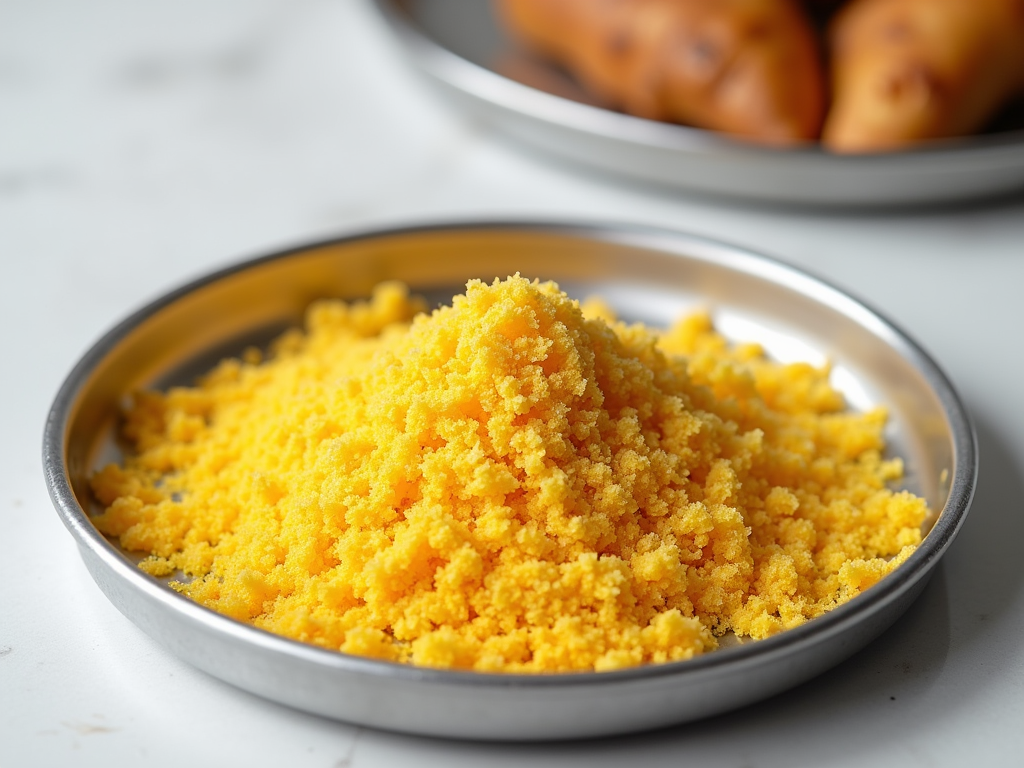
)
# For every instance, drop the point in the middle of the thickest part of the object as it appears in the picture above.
(461, 46)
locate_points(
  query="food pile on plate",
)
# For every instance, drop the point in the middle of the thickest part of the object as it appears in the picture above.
(512, 483)
(858, 75)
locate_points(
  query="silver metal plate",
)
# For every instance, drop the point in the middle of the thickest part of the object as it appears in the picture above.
(646, 274)
(462, 48)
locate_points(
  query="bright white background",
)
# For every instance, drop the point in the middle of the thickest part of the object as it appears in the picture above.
(145, 143)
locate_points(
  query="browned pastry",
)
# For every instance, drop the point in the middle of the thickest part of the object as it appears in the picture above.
(906, 70)
(746, 67)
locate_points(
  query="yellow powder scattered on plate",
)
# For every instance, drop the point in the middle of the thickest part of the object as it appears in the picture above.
(509, 484)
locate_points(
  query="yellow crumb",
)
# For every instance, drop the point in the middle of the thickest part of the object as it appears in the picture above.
(509, 485)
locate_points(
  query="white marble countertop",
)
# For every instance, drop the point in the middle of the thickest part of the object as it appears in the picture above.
(143, 144)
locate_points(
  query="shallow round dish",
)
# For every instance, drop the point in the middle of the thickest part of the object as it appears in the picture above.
(461, 47)
(647, 275)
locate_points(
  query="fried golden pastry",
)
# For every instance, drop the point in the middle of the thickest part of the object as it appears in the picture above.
(746, 67)
(907, 70)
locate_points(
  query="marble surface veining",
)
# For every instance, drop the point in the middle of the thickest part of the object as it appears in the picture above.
(145, 143)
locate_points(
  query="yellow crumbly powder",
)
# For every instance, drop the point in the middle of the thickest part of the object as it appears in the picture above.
(509, 484)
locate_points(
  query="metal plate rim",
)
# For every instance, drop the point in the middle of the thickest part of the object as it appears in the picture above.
(820, 630)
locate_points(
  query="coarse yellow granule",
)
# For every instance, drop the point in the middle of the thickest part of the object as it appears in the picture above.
(509, 484)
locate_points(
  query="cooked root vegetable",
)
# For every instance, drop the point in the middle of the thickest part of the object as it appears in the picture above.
(907, 70)
(745, 67)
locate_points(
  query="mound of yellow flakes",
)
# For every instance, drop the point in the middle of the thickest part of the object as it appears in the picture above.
(509, 484)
